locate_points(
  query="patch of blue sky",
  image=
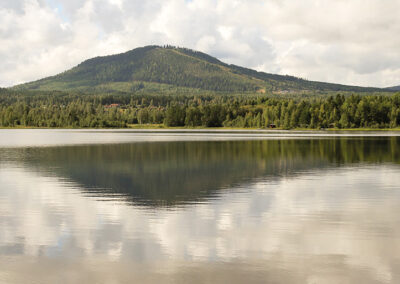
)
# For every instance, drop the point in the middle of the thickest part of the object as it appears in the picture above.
(57, 6)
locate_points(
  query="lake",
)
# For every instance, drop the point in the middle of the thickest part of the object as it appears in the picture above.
(120, 206)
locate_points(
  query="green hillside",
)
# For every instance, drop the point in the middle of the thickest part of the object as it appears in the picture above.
(159, 68)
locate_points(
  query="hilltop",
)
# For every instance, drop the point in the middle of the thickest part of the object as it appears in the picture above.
(160, 68)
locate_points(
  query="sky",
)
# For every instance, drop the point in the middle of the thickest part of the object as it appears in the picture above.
(354, 42)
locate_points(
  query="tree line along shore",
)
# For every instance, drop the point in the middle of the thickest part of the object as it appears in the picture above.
(66, 110)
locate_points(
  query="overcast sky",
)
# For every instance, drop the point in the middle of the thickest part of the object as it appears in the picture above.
(345, 41)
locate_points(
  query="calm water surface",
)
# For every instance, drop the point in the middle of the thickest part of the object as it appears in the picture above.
(199, 207)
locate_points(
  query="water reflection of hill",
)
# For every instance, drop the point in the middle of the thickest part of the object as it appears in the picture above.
(169, 173)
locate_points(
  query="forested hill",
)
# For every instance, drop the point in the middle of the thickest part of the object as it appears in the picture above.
(159, 68)
(396, 88)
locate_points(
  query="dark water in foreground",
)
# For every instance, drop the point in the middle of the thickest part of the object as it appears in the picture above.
(198, 207)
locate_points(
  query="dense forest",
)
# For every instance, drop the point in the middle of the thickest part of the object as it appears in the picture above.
(167, 86)
(75, 110)
(162, 67)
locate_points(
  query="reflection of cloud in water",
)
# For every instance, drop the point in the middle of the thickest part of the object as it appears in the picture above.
(337, 225)
(15, 138)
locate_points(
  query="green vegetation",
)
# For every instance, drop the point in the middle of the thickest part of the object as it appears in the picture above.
(75, 110)
(164, 68)
(168, 86)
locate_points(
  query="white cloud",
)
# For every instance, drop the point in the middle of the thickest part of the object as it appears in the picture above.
(339, 41)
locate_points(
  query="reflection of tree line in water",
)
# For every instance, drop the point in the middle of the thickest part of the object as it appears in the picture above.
(172, 172)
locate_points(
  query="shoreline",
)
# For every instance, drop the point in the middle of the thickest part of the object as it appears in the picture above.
(216, 129)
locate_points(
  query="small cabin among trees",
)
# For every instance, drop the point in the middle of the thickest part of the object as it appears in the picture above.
(112, 105)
